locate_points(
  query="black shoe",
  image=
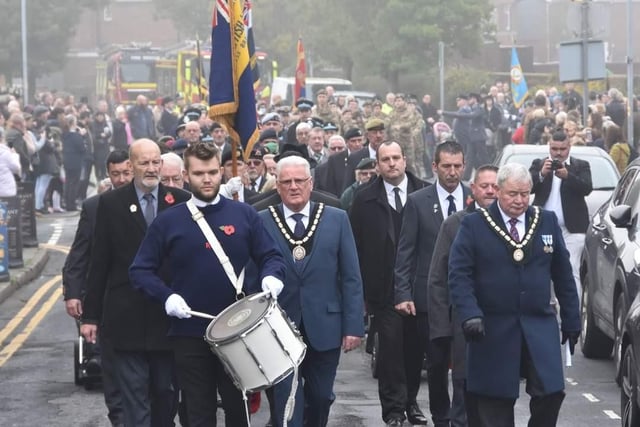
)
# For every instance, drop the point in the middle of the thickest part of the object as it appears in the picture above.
(415, 415)
(395, 422)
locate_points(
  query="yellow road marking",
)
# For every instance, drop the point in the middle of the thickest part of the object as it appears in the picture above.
(18, 340)
(30, 305)
(59, 248)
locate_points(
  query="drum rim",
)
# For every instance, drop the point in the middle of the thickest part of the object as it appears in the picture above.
(270, 307)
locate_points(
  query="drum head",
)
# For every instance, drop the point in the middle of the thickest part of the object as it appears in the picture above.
(238, 318)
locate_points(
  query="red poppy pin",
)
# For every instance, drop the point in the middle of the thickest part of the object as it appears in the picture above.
(169, 199)
(228, 229)
(469, 201)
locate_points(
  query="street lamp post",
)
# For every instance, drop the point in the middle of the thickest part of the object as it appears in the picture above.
(585, 59)
(25, 75)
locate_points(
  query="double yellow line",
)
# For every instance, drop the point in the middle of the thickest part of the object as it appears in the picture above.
(6, 351)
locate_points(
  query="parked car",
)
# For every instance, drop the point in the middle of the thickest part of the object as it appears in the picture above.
(610, 269)
(604, 175)
(628, 377)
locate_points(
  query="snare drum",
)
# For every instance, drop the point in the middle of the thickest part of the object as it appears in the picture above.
(256, 342)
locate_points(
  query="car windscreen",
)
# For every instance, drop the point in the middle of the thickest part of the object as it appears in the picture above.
(603, 174)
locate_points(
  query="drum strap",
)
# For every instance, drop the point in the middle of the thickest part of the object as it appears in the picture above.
(198, 217)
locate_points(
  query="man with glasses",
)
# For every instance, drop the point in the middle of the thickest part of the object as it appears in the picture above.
(171, 173)
(322, 291)
(259, 180)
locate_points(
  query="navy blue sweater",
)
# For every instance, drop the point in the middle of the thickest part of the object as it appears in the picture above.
(174, 239)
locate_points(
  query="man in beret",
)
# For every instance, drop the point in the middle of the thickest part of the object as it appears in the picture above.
(226, 161)
(304, 106)
(220, 136)
(365, 171)
(322, 109)
(375, 132)
(405, 127)
(259, 180)
(273, 121)
(333, 169)
(330, 129)
(269, 139)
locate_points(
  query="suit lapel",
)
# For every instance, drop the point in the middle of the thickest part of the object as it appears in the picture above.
(433, 206)
(384, 203)
(132, 205)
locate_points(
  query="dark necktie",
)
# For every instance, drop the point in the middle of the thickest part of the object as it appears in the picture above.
(149, 212)
(398, 200)
(452, 205)
(254, 186)
(513, 230)
(298, 230)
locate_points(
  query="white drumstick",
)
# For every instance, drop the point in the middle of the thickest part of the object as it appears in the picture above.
(200, 314)
(567, 355)
(259, 295)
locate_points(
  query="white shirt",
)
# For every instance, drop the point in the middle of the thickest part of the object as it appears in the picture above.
(554, 202)
(201, 203)
(291, 223)
(372, 152)
(458, 199)
(519, 225)
(391, 195)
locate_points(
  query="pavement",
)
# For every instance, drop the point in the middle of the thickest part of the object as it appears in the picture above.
(35, 259)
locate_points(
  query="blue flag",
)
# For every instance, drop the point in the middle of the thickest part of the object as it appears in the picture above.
(519, 89)
(231, 95)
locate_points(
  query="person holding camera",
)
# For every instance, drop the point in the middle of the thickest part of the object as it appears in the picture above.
(560, 184)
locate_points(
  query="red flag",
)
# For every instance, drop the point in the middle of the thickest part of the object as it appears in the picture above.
(301, 74)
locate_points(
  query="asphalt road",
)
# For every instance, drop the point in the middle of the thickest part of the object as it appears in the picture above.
(36, 365)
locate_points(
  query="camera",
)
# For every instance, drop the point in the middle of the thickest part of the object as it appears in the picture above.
(556, 164)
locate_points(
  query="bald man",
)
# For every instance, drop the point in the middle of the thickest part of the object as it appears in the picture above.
(135, 325)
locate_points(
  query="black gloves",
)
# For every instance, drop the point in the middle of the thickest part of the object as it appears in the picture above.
(572, 337)
(473, 329)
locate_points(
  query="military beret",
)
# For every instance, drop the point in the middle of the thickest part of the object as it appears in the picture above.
(214, 126)
(288, 150)
(268, 134)
(270, 117)
(366, 163)
(463, 96)
(257, 153)
(352, 133)
(226, 155)
(374, 124)
(304, 104)
(40, 110)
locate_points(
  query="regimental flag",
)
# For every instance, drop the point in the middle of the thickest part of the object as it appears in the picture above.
(301, 74)
(519, 89)
(248, 22)
(231, 96)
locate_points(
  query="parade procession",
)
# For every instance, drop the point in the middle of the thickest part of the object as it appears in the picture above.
(347, 214)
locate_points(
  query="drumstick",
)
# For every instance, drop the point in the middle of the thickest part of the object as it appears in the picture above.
(567, 355)
(200, 314)
(259, 295)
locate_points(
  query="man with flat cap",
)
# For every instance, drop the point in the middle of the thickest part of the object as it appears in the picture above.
(304, 106)
(220, 136)
(375, 133)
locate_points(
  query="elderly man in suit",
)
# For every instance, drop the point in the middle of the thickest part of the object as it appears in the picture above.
(376, 217)
(135, 325)
(500, 267)
(423, 214)
(322, 291)
(441, 318)
(74, 277)
(561, 183)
